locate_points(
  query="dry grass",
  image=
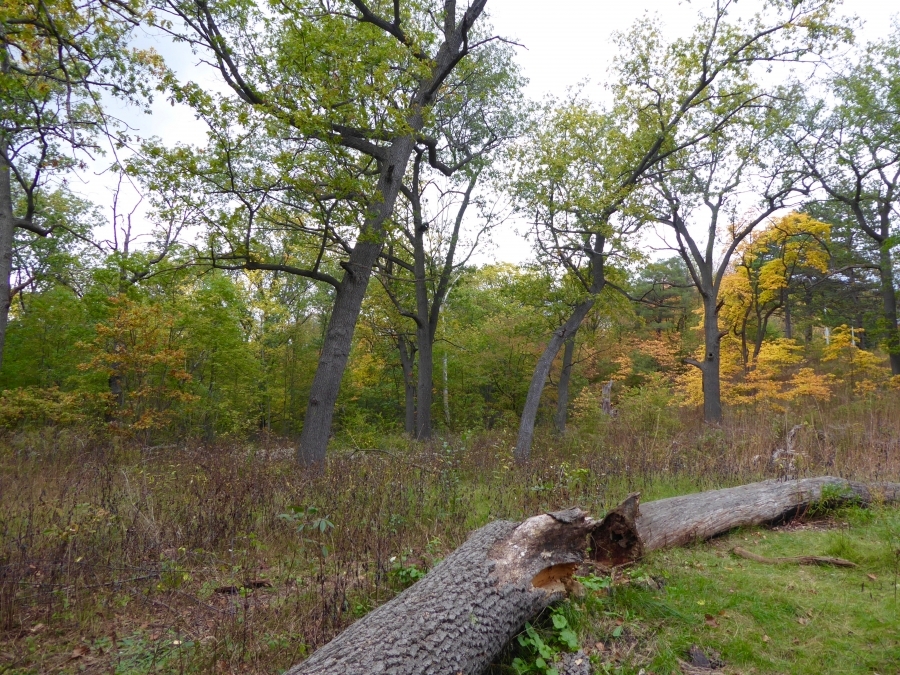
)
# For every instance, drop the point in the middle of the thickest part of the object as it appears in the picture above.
(112, 558)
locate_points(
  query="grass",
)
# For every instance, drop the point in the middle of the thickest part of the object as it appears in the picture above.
(121, 559)
(759, 618)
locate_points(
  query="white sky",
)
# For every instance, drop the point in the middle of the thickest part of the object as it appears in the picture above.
(566, 42)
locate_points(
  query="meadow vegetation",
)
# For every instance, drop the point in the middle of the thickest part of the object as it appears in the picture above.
(225, 557)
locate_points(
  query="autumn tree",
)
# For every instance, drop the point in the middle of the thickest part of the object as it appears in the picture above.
(849, 144)
(582, 165)
(762, 281)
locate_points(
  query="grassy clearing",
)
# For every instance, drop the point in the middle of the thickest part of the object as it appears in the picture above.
(121, 559)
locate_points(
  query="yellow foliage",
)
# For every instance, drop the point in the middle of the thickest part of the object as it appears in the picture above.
(135, 348)
(861, 369)
(765, 264)
(770, 382)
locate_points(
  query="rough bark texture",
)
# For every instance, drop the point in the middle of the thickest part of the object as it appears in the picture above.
(461, 615)
(336, 350)
(464, 612)
(630, 531)
(712, 386)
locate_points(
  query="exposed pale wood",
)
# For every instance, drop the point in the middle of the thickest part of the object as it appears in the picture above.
(794, 560)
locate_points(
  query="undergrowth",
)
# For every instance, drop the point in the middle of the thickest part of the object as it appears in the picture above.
(226, 558)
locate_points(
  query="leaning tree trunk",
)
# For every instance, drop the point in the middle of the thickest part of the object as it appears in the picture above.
(464, 612)
(347, 304)
(541, 371)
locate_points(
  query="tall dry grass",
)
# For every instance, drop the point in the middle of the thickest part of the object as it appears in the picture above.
(120, 559)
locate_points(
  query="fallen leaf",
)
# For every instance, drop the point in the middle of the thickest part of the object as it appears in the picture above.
(766, 638)
(37, 628)
(701, 602)
(600, 647)
(872, 577)
(803, 621)
(711, 621)
(79, 651)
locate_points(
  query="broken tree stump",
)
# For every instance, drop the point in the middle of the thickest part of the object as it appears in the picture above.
(632, 529)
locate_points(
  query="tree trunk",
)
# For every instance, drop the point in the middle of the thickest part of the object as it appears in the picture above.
(446, 394)
(358, 268)
(562, 400)
(7, 234)
(631, 531)
(464, 612)
(712, 395)
(347, 304)
(889, 298)
(788, 323)
(606, 400)
(541, 371)
(425, 386)
(409, 386)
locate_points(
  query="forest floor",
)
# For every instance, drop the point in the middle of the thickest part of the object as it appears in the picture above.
(201, 558)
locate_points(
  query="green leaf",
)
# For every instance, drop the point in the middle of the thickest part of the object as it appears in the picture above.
(569, 638)
(560, 622)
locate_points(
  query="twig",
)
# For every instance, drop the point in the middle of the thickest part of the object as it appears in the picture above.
(797, 560)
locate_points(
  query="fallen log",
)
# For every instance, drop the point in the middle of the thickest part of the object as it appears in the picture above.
(632, 530)
(464, 612)
(793, 560)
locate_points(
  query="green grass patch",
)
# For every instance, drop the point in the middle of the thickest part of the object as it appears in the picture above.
(759, 618)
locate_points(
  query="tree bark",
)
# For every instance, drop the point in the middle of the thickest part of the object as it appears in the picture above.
(562, 397)
(336, 350)
(464, 612)
(409, 386)
(446, 394)
(632, 530)
(541, 371)
(710, 366)
(889, 298)
(788, 322)
(7, 233)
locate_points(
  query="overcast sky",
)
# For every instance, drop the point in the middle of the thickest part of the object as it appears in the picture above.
(565, 42)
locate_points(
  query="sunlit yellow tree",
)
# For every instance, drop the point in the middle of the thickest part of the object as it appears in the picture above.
(760, 283)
